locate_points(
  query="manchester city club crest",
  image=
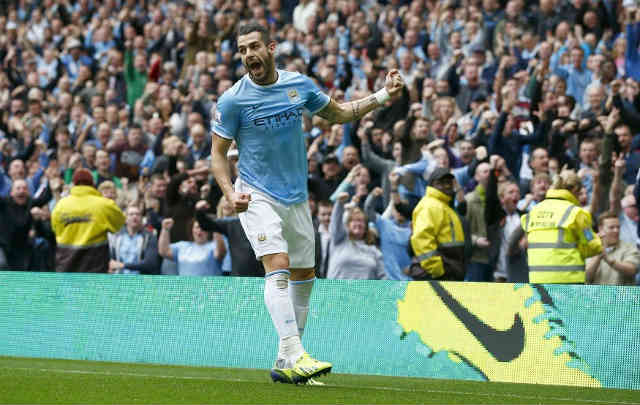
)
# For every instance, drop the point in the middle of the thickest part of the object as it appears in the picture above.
(294, 97)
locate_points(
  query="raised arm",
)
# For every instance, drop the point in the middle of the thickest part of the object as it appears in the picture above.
(631, 55)
(354, 110)
(370, 204)
(493, 211)
(336, 226)
(369, 157)
(173, 189)
(495, 140)
(349, 180)
(605, 162)
(417, 168)
(617, 188)
(164, 242)
(207, 222)
(221, 248)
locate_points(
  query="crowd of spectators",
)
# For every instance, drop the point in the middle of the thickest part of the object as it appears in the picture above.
(503, 94)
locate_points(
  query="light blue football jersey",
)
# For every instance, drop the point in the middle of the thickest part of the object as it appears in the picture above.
(266, 123)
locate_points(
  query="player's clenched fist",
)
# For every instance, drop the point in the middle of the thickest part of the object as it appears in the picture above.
(167, 223)
(240, 201)
(394, 83)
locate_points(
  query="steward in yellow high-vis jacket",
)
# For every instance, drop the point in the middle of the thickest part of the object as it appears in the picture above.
(437, 238)
(81, 222)
(559, 234)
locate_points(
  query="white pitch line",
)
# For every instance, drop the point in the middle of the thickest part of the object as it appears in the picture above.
(69, 371)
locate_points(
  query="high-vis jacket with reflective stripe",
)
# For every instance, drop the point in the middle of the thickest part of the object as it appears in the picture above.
(560, 238)
(81, 222)
(438, 239)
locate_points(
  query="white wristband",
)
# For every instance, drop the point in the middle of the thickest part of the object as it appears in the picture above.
(382, 96)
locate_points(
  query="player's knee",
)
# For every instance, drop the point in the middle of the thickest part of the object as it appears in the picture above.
(302, 274)
(275, 261)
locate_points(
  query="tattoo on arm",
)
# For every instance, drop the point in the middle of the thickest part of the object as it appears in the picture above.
(329, 113)
(361, 107)
(349, 111)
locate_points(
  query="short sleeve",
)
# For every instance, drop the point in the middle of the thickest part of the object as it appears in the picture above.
(175, 250)
(316, 99)
(632, 256)
(225, 118)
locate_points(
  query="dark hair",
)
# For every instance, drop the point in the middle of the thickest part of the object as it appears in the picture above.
(62, 129)
(578, 48)
(254, 26)
(570, 99)
(588, 139)
(404, 209)
(191, 222)
(621, 124)
(604, 216)
(156, 176)
(533, 151)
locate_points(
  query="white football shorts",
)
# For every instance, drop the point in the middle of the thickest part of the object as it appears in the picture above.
(273, 227)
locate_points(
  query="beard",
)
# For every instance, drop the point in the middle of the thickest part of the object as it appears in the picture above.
(260, 69)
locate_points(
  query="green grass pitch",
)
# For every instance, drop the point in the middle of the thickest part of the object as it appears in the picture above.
(46, 381)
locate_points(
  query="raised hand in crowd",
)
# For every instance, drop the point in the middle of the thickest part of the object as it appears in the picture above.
(612, 120)
(167, 224)
(353, 174)
(343, 197)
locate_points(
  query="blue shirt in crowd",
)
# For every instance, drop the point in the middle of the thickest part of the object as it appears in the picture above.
(129, 249)
(196, 260)
(394, 243)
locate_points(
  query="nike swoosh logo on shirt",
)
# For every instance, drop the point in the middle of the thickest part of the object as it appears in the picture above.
(504, 345)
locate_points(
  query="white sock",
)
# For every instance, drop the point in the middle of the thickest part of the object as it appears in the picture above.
(278, 302)
(290, 350)
(300, 293)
